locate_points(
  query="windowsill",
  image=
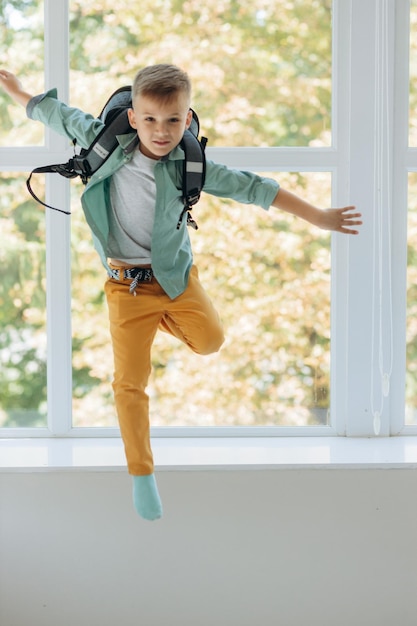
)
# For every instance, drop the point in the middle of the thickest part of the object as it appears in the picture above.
(68, 454)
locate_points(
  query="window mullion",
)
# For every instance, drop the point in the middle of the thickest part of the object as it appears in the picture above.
(58, 308)
(58, 234)
(367, 409)
(341, 79)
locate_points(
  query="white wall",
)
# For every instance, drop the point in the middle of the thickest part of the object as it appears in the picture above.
(235, 548)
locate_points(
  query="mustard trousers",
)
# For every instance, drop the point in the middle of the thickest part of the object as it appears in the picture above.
(134, 322)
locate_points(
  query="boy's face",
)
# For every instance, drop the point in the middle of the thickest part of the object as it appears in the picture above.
(160, 125)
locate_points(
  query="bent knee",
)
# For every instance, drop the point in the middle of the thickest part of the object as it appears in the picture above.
(213, 342)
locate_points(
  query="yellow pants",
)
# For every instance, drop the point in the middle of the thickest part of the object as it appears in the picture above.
(134, 322)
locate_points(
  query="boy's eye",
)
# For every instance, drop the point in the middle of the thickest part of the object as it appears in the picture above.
(172, 120)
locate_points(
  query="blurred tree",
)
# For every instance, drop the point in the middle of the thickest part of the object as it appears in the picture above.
(261, 71)
(22, 307)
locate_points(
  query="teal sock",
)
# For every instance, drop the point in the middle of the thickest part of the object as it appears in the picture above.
(146, 497)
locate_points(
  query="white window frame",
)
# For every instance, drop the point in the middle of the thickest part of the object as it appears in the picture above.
(350, 160)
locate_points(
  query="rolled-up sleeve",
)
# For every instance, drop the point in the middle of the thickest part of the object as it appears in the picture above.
(242, 186)
(63, 119)
(33, 102)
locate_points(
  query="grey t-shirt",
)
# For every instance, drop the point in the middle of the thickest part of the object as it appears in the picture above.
(133, 197)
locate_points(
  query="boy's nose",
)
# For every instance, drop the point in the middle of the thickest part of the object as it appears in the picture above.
(161, 128)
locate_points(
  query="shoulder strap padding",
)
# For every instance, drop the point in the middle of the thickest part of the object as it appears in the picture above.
(194, 168)
(90, 160)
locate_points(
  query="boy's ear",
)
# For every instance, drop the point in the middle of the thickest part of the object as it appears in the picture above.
(131, 117)
(189, 119)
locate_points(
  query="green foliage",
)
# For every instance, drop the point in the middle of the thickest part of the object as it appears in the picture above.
(249, 62)
(22, 307)
(22, 50)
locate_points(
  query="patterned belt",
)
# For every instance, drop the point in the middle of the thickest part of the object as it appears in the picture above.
(135, 274)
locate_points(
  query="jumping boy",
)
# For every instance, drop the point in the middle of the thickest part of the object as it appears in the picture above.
(132, 205)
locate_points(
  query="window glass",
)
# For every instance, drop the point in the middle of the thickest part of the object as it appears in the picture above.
(413, 76)
(261, 70)
(268, 275)
(411, 369)
(22, 306)
(21, 52)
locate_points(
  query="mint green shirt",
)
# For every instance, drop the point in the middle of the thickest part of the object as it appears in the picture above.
(170, 247)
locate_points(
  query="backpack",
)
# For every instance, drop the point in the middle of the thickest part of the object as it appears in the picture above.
(114, 116)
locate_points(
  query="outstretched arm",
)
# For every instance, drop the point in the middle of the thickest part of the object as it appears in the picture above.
(339, 220)
(12, 86)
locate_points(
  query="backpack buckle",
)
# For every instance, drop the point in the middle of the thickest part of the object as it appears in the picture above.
(192, 197)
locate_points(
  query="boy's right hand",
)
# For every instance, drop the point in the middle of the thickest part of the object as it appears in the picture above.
(13, 87)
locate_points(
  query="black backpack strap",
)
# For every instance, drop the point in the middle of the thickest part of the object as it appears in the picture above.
(63, 169)
(194, 174)
(194, 169)
(90, 160)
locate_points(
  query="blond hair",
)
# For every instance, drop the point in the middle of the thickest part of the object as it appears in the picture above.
(161, 82)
